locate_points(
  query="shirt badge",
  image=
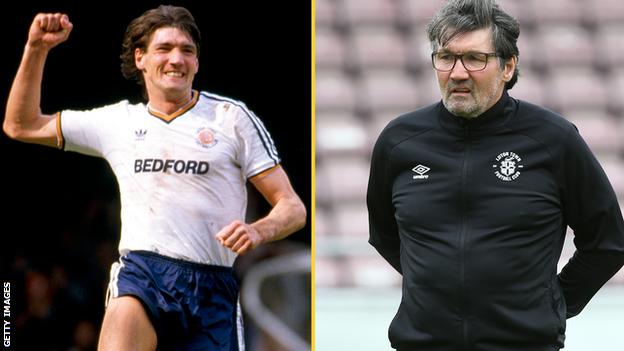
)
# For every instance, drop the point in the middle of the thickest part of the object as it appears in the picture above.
(507, 166)
(206, 137)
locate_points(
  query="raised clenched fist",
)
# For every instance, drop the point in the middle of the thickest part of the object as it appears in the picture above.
(49, 30)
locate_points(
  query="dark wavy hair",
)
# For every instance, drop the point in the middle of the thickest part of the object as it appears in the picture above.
(140, 31)
(461, 16)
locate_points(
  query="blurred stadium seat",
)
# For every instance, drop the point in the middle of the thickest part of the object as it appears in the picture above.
(416, 13)
(334, 91)
(418, 51)
(325, 13)
(603, 11)
(601, 131)
(613, 168)
(352, 220)
(344, 179)
(271, 294)
(331, 271)
(530, 87)
(610, 45)
(522, 11)
(366, 12)
(615, 86)
(531, 52)
(372, 271)
(385, 89)
(373, 47)
(555, 11)
(565, 45)
(576, 88)
(330, 50)
(337, 135)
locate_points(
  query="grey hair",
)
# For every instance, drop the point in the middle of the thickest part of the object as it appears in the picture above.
(461, 16)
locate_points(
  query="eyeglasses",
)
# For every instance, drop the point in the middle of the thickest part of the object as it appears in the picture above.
(472, 61)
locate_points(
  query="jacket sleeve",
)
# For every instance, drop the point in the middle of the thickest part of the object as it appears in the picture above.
(592, 211)
(384, 236)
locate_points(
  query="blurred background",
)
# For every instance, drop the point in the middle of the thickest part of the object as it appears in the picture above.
(372, 64)
(59, 227)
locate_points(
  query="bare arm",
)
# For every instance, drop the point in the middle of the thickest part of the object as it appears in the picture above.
(288, 214)
(23, 119)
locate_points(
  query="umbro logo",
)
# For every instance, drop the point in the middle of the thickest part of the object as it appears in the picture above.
(139, 134)
(420, 171)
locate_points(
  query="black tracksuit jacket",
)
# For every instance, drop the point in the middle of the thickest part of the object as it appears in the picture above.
(473, 214)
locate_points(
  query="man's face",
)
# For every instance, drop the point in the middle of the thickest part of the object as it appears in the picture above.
(469, 94)
(170, 62)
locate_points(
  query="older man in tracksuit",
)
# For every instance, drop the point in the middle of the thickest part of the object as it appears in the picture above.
(469, 199)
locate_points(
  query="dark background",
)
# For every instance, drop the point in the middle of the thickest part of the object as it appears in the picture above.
(60, 224)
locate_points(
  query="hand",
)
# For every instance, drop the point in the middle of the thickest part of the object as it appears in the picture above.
(239, 237)
(48, 30)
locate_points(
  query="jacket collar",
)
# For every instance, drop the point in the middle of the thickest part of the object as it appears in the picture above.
(494, 118)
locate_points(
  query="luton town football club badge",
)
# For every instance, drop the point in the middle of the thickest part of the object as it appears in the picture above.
(508, 166)
(206, 137)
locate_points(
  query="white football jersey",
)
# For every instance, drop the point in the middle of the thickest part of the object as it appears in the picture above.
(182, 176)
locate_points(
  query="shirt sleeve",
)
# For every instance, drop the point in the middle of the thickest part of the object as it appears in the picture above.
(90, 132)
(592, 211)
(383, 230)
(257, 150)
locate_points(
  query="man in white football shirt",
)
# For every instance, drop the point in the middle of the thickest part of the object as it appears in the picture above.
(182, 161)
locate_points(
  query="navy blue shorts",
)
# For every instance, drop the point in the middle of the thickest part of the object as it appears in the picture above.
(192, 306)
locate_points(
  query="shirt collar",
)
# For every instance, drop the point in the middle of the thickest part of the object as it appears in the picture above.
(495, 117)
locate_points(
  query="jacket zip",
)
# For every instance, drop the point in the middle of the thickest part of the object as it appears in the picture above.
(462, 242)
